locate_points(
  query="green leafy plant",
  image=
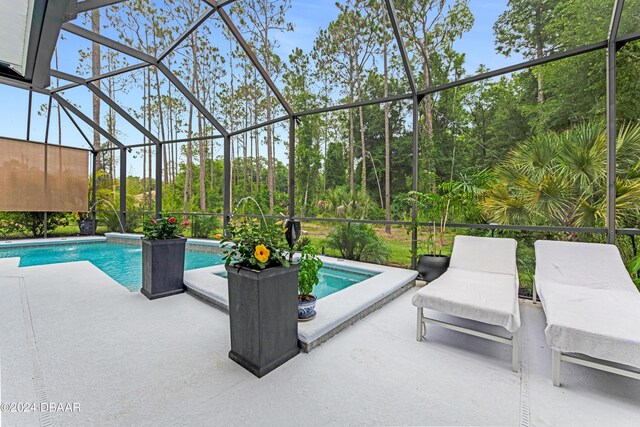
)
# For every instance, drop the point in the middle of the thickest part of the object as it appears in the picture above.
(256, 244)
(634, 270)
(450, 199)
(308, 277)
(302, 242)
(162, 228)
(111, 221)
(561, 179)
(358, 242)
(202, 227)
(32, 223)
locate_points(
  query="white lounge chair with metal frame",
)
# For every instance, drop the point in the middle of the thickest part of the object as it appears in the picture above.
(481, 284)
(592, 307)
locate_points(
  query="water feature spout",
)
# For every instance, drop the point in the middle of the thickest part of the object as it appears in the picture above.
(93, 206)
(244, 199)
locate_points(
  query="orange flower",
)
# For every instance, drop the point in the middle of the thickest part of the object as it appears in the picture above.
(285, 230)
(262, 253)
(279, 222)
(218, 236)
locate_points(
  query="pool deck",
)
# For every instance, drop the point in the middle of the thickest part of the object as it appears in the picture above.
(69, 333)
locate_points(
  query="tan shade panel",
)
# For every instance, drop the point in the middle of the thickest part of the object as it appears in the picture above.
(42, 177)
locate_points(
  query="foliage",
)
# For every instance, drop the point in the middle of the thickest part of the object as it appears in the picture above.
(112, 221)
(560, 179)
(457, 199)
(32, 223)
(358, 242)
(256, 244)
(342, 203)
(202, 227)
(310, 264)
(634, 270)
(302, 242)
(523, 28)
(162, 228)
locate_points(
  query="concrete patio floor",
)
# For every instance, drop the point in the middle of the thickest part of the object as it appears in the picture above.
(69, 333)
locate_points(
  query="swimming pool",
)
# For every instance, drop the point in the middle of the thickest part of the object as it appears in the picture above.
(123, 263)
(332, 279)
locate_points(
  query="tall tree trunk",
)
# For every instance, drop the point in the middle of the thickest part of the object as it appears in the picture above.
(95, 70)
(363, 147)
(58, 105)
(162, 133)
(387, 147)
(539, 48)
(256, 134)
(189, 164)
(172, 160)
(244, 139)
(202, 154)
(149, 121)
(211, 168)
(453, 131)
(351, 130)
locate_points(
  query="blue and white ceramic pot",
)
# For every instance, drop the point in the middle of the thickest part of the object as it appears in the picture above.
(306, 307)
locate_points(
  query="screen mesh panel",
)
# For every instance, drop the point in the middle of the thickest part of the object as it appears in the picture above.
(42, 177)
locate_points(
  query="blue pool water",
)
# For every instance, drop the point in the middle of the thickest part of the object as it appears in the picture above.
(333, 279)
(122, 262)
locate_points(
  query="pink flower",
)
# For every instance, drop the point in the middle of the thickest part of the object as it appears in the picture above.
(172, 220)
(153, 221)
(185, 223)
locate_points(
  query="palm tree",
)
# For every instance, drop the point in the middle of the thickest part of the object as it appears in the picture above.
(342, 203)
(560, 179)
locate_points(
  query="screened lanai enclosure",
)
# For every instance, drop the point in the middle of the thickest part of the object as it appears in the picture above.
(394, 117)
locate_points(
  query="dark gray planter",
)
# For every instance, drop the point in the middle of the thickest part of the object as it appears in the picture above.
(87, 227)
(162, 267)
(431, 267)
(263, 316)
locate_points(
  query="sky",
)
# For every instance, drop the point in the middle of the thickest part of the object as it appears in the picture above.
(306, 15)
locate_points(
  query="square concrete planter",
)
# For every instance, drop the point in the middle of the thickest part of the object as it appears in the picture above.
(162, 267)
(263, 316)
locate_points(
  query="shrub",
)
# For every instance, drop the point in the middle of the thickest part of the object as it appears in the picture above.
(112, 222)
(358, 242)
(32, 223)
(202, 227)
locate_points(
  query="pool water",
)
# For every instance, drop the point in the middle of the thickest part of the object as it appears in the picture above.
(123, 263)
(333, 279)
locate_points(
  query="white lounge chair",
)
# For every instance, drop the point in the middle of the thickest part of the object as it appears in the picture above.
(592, 306)
(481, 284)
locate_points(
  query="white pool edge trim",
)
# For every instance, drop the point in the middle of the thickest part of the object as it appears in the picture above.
(335, 312)
(51, 241)
(132, 236)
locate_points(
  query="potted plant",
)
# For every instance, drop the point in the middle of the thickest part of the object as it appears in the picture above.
(162, 257)
(263, 295)
(86, 224)
(310, 264)
(435, 208)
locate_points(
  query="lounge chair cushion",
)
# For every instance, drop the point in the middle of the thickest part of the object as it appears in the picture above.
(481, 283)
(591, 303)
(486, 254)
(485, 297)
